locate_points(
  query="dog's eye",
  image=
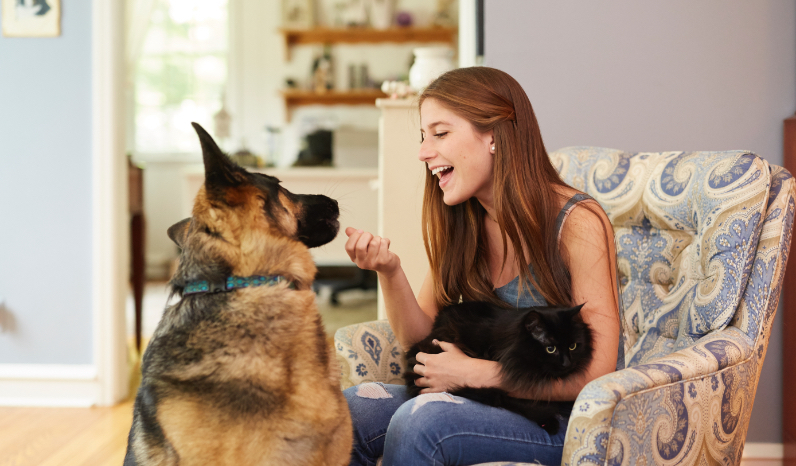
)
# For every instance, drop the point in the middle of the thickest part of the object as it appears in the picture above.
(212, 233)
(551, 349)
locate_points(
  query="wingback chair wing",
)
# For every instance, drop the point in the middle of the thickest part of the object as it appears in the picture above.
(702, 240)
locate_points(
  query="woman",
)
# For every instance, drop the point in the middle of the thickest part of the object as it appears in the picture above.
(499, 225)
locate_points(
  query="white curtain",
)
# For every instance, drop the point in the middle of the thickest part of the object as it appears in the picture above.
(137, 19)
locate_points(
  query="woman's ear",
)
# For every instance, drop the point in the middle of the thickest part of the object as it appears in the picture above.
(489, 139)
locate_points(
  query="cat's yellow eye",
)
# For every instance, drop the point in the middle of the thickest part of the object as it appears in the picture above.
(551, 349)
(573, 346)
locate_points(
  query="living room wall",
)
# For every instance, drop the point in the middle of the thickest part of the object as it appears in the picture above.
(656, 76)
(45, 194)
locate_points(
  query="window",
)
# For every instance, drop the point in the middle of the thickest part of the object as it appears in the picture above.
(181, 74)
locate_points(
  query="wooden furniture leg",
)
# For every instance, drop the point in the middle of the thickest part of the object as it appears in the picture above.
(789, 322)
(137, 243)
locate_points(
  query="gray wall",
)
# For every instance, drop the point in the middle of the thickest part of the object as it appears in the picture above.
(655, 76)
(45, 194)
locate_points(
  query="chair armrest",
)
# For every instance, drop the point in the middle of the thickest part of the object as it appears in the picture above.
(369, 352)
(645, 410)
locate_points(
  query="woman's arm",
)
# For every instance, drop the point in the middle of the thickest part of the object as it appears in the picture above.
(588, 249)
(410, 318)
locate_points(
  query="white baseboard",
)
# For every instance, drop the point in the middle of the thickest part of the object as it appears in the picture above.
(49, 385)
(762, 454)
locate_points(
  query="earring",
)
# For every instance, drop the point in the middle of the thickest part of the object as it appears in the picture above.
(493, 148)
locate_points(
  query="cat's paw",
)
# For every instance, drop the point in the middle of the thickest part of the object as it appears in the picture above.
(550, 425)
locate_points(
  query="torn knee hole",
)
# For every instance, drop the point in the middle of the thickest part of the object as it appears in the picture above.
(374, 391)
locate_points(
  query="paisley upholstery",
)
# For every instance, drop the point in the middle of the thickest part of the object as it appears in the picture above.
(702, 240)
(368, 352)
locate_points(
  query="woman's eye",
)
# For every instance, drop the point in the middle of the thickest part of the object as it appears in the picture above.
(573, 346)
(441, 135)
(551, 349)
(422, 138)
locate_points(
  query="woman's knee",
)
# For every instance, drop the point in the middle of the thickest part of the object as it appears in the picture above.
(417, 428)
(371, 406)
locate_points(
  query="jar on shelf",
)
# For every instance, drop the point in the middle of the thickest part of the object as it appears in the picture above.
(430, 62)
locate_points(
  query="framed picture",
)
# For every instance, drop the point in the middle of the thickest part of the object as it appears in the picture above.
(298, 14)
(31, 18)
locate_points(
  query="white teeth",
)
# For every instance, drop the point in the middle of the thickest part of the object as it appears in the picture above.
(440, 169)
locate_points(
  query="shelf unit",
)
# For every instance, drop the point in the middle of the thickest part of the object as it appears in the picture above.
(297, 97)
(322, 35)
(366, 35)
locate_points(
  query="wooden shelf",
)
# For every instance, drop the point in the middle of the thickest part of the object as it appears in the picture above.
(298, 97)
(366, 35)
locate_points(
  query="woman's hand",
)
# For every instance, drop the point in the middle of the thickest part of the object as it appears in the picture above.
(452, 368)
(370, 252)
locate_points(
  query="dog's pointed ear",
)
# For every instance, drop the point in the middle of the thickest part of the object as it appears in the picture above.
(220, 171)
(179, 231)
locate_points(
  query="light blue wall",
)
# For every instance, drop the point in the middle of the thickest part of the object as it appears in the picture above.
(655, 76)
(45, 194)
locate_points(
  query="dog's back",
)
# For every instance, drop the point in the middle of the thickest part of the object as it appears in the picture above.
(239, 371)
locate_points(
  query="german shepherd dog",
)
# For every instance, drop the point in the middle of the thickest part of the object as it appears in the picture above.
(239, 371)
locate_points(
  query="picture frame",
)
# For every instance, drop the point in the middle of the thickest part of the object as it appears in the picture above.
(298, 14)
(31, 18)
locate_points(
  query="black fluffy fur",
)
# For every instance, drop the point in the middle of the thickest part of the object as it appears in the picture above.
(521, 340)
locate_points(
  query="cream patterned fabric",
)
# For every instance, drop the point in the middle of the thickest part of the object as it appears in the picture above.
(369, 352)
(702, 240)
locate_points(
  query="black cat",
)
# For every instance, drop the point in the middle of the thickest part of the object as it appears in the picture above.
(534, 346)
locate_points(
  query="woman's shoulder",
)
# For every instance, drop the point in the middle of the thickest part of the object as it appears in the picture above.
(577, 207)
(586, 228)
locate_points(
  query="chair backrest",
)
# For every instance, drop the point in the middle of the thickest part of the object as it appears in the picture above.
(686, 227)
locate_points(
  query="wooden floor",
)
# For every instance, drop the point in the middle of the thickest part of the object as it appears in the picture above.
(69, 436)
(64, 436)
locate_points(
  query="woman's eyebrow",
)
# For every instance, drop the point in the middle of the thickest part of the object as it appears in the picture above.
(436, 123)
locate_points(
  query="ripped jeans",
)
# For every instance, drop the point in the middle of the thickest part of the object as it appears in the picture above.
(442, 429)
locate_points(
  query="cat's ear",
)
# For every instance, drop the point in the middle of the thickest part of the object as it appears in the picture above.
(573, 311)
(535, 326)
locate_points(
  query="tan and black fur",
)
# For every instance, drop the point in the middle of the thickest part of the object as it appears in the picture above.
(243, 377)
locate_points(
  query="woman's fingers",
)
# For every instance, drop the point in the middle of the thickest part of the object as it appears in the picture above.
(362, 245)
(419, 369)
(351, 243)
(368, 251)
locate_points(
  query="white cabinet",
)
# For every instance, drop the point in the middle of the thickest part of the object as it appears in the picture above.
(401, 184)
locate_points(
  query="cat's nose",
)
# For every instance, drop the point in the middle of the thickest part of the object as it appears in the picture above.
(565, 361)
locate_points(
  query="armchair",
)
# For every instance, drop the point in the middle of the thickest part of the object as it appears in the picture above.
(702, 240)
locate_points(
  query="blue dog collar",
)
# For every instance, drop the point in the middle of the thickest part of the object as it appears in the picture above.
(233, 283)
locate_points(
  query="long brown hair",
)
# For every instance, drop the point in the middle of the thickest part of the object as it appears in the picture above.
(525, 200)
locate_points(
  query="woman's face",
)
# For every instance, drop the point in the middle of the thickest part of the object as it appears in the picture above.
(456, 153)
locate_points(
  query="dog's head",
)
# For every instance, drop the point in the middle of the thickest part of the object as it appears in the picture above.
(247, 224)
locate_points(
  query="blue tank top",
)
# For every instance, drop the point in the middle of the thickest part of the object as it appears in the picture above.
(530, 296)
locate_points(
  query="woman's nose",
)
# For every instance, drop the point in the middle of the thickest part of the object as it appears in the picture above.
(425, 154)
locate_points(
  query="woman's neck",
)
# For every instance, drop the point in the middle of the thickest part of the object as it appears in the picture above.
(489, 207)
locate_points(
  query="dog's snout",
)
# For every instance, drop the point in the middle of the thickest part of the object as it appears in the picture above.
(318, 224)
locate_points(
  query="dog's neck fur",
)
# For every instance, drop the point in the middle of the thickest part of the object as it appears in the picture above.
(247, 244)
(292, 261)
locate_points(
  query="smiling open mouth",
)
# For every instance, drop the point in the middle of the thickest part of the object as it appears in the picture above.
(444, 174)
(442, 171)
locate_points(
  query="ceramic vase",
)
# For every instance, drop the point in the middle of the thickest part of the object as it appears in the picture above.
(430, 62)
